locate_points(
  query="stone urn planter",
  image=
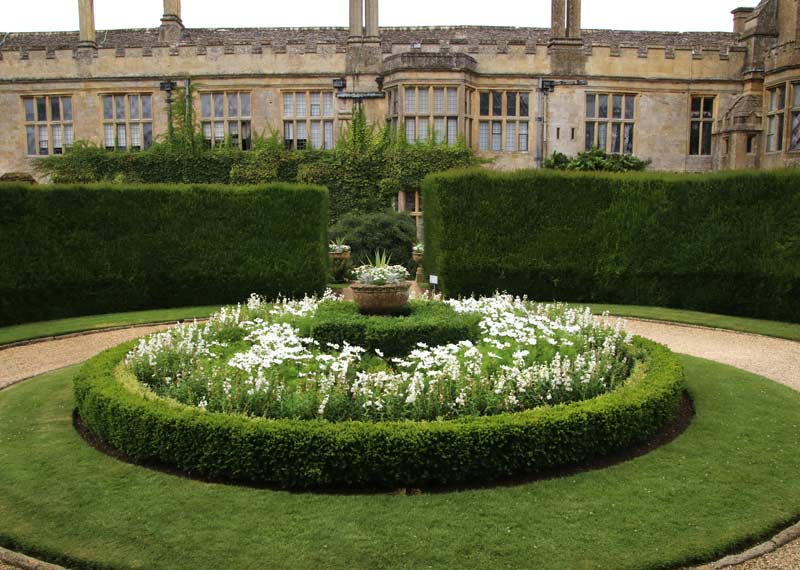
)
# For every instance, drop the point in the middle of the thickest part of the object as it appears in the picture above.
(381, 299)
(343, 256)
(418, 257)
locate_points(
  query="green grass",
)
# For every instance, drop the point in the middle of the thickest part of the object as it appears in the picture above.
(790, 331)
(729, 480)
(42, 329)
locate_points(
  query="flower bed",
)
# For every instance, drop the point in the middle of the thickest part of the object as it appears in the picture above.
(544, 388)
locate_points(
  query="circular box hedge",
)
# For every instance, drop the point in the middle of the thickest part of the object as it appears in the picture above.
(319, 454)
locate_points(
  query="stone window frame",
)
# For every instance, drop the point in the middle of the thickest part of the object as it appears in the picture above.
(705, 124)
(127, 120)
(775, 117)
(794, 118)
(308, 118)
(217, 129)
(496, 127)
(593, 117)
(34, 125)
(421, 118)
(469, 115)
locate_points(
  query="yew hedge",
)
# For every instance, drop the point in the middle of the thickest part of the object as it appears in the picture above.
(79, 250)
(321, 454)
(723, 243)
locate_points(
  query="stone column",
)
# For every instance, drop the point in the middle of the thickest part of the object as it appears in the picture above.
(88, 37)
(574, 19)
(356, 18)
(372, 19)
(558, 11)
(171, 23)
(172, 10)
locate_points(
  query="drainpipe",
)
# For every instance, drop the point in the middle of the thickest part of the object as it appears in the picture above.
(545, 87)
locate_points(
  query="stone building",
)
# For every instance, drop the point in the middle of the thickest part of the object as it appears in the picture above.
(687, 101)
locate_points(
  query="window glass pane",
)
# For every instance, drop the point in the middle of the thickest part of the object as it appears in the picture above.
(69, 136)
(30, 136)
(438, 129)
(794, 140)
(706, 150)
(288, 135)
(617, 110)
(316, 134)
(219, 132)
(424, 101)
(410, 202)
(497, 104)
(772, 99)
(327, 104)
(616, 138)
(628, 142)
(511, 137)
(438, 101)
(148, 134)
(589, 142)
(708, 107)
(328, 134)
(484, 104)
(602, 135)
(483, 135)
(55, 109)
(147, 107)
(630, 103)
(781, 97)
(58, 140)
(694, 138)
(245, 101)
(511, 104)
(422, 135)
(247, 136)
(523, 137)
(29, 115)
(316, 104)
(452, 131)
(233, 104)
(452, 100)
(497, 136)
(603, 107)
(591, 104)
(288, 105)
(411, 130)
(300, 108)
(796, 91)
(524, 104)
(205, 105)
(136, 136)
(122, 137)
(119, 105)
(697, 103)
(779, 137)
(771, 122)
(41, 109)
(411, 101)
(133, 106)
(219, 105)
(108, 107)
(108, 136)
(44, 141)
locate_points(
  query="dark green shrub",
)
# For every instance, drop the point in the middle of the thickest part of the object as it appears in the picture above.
(18, 177)
(392, 232)
(724, 243)
(303, 454)
(77, 250)
(596, 160)
(432, 323)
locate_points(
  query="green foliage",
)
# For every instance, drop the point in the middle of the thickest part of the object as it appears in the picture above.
(723, 243)
(596, 160)
(77, 250)
(391, 232)
(304, 454)
(429, 322)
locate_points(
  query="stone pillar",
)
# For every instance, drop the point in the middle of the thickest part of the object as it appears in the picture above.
(372, 19)
(356, 18)
(574, 18)
(88, 36)
(740, 16)
(171, 23)
(558, 19)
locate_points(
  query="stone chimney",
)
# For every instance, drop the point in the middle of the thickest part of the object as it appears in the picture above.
(372, 32)
(740, 16)
(356, 19)
(171, 23)
(574, 19)
(558, 18)
(88, 36)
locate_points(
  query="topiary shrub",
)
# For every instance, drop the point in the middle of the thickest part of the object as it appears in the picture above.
(23, 177)
(392, 232)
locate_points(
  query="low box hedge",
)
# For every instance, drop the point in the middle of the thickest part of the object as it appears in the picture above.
(722, 243)
(79, 250)
(318, 454)
(429, 322)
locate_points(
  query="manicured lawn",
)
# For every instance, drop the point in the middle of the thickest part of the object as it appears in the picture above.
(729, 480)
(790, 331)
(30, 331)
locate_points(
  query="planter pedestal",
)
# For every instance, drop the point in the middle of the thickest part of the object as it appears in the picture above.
(420, 277)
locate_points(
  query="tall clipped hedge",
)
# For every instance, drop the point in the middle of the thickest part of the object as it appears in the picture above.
(726, 243)
(76, 250)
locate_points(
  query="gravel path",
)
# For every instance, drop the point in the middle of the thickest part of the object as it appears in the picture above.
(776, 359)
